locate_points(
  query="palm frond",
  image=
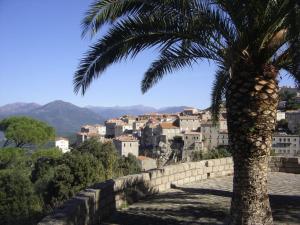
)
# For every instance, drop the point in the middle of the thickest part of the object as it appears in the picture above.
(128, 38)
(172, 59)
(218, 92)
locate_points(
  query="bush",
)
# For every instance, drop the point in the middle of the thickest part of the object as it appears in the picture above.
(129, 165)
(18, 203)
(210, 154)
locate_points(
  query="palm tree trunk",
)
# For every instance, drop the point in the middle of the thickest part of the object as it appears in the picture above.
(251, 106)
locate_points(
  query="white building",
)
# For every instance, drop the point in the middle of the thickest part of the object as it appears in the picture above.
(280, 115)
(284, 144)
(62, 144)
(126, 145)
(189, 123)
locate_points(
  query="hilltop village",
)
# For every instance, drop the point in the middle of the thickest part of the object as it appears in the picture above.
(178, 136)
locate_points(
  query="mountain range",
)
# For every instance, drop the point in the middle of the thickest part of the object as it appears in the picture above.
(67, 118)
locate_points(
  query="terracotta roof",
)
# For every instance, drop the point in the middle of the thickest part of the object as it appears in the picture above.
(126, 138)
(189, 117)
(166, 125)
(61, 138)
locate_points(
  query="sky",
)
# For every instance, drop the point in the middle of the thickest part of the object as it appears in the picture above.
(40, 49)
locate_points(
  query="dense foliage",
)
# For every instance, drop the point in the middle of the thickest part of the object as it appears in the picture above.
(290, 98)
(32, 184)
(212, 154)
(24, 130)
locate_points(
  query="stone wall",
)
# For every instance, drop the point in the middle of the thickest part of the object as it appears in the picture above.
(284, 164)
(90, 206)
(95, 203)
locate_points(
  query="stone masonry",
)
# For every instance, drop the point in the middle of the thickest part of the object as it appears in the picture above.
(92, 205)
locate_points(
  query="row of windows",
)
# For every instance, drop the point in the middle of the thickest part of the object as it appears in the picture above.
(286, 151)
(125, 144)
(285, 139)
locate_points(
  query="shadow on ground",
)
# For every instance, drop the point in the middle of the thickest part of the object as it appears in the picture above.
(198, 206)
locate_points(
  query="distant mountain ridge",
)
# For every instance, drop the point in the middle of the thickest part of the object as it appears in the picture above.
(67, 118)
(135, 110)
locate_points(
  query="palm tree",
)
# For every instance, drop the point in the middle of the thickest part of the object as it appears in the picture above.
(249, 40)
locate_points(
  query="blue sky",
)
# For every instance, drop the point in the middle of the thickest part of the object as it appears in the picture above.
(40, 48)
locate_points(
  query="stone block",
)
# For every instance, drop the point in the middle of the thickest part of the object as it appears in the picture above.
(194, 172)
(229, 160)
(158, 181)
(180, 182)
(165, 179)
(223, 161)
(217, 162)
(192, 179)
(208, 169)
(171, 178)
(209, 163)
(215, 168)
(186, 166)
(188, 173)
(186, 180)
(200, 171)
(192, 165)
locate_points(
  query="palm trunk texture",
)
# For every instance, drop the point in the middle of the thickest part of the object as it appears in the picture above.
(252, 99)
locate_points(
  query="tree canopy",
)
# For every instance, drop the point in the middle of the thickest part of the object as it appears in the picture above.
(24, 130)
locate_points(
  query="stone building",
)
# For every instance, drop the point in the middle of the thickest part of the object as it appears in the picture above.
(293, 118)
(167, 131)
(94, 129)
(192, 143)
(124, 128)
(149, 137)
(111, 125)
(126, 144)
(82, 137)
(286, 145)
(128, 119)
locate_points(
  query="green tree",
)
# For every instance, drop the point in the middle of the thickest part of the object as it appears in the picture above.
(105, 152)
(249, 40)
(19, 205)
(74, 172)
(53, 153)
(25, 130)
(129, 165)
(11, 158)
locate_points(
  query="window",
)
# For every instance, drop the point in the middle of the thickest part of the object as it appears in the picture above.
(124, 145)
(130, 144)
